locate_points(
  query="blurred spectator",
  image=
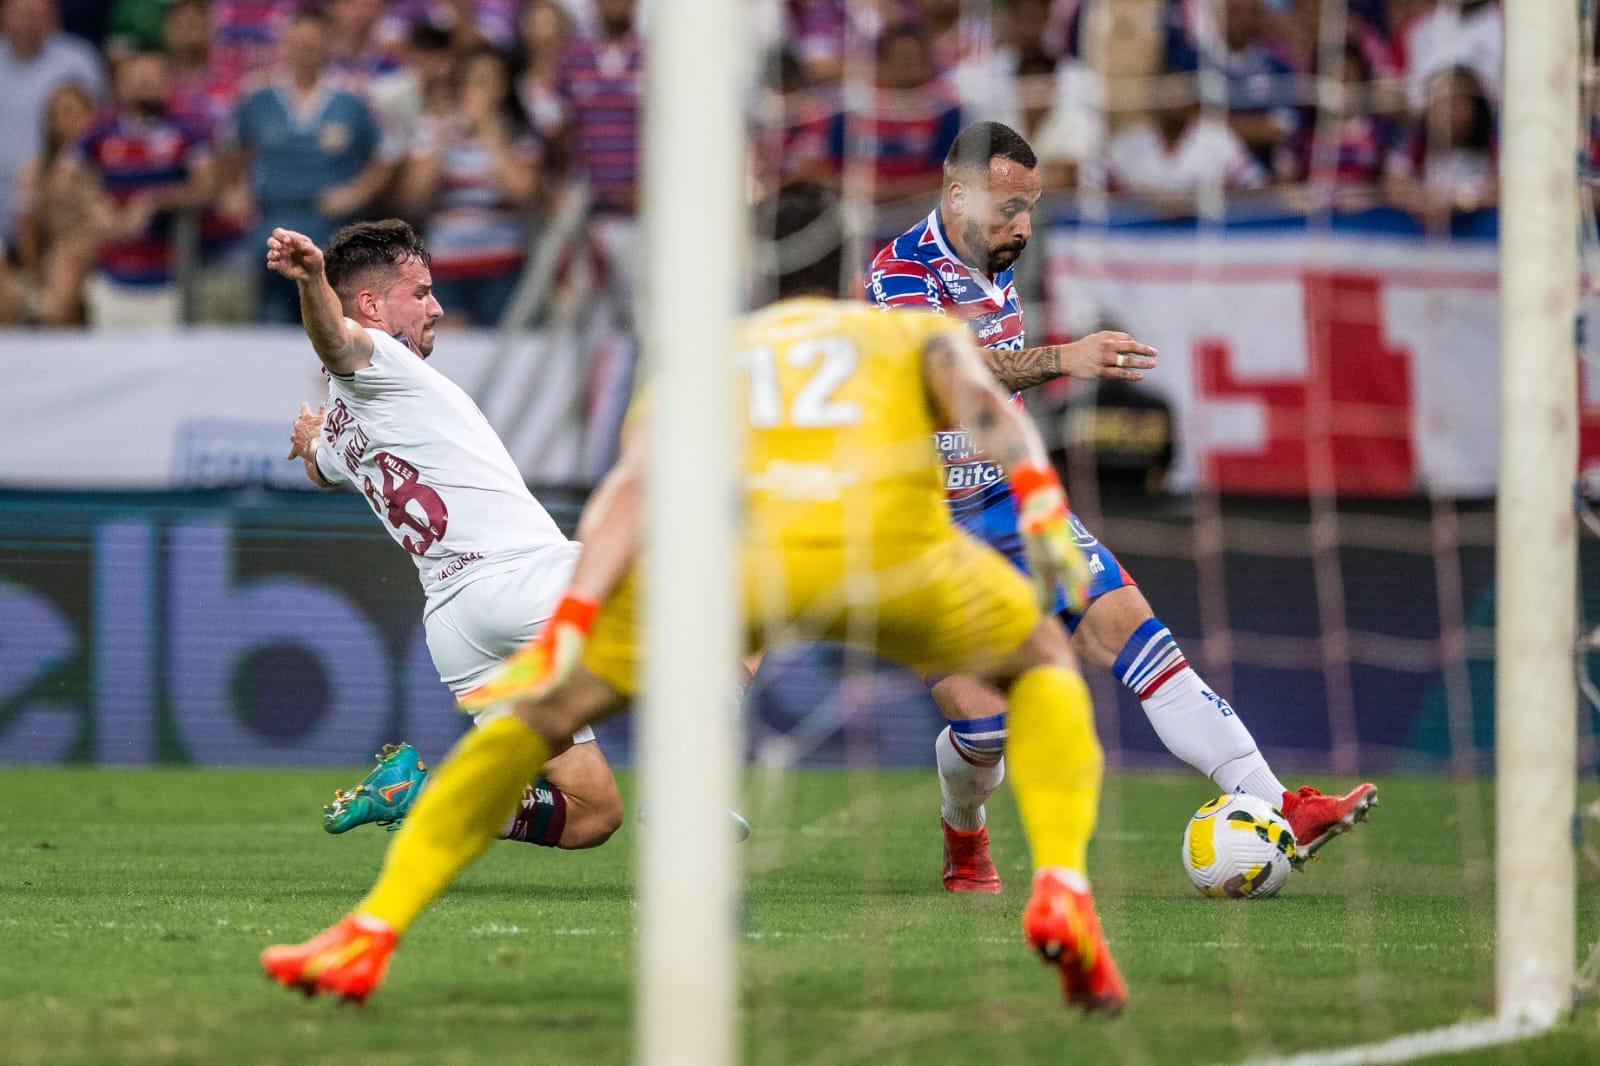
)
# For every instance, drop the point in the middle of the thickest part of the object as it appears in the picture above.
(956, 30)
(146, 165)
(914, 120)
(354, 52)
(135, 26)
(1455, 33)
(543, 31)
(1448, 163)
(1178, 155)
(310, 150)
(420, 82)
(1366, 28)
(35, 60)
(471, 176)
(1347, 149)
(789, 130)
(817, 33)
(202, 92)
(1261, 97)
(602, 86)
(55, 229)
(245, 35)
(468, 23)
(1057, 104)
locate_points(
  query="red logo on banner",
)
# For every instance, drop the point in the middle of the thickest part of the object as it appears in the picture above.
(1346, 426)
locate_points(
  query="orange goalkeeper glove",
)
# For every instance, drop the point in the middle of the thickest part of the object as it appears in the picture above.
(543, 663)
(1054, 558)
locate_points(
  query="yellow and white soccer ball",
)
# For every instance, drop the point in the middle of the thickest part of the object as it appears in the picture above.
(1238, 847)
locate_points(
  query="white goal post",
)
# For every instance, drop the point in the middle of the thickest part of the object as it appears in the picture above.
(694, 254)
(1535, 535)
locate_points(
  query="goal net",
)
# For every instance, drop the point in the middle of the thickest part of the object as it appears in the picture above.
(1303, 207)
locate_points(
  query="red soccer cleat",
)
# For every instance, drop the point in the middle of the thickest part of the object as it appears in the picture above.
(967, 866)
(1061, 925)
(1317, 819)
(348, 960)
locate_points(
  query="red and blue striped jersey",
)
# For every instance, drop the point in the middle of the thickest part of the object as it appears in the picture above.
(919, 269)
(133, 155)
(602, 83)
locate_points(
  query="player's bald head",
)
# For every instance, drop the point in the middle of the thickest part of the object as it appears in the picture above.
(978, 147)
(991, 187)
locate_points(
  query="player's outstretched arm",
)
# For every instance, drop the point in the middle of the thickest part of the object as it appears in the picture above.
(343, 346)
(963, 392)
(1107, 355)
(612, 522)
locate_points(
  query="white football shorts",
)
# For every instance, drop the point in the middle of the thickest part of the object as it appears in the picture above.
(488, 619)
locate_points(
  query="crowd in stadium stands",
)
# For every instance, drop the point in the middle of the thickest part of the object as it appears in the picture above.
(148, 137)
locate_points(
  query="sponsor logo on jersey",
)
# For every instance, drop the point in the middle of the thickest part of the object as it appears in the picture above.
(458, 564)
(987, 327)
(800, 481)
(969, 477)
(954, 283)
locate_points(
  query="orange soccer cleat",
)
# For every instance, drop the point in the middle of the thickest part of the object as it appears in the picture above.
(1061, 925)
(1317, 819)
(967, 866)
(348, 960)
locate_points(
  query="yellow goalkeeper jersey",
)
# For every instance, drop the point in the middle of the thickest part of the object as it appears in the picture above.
(847, 536)
(840, 430)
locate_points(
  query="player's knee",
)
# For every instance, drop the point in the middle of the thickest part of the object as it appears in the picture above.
(592, 819)
(981, 741)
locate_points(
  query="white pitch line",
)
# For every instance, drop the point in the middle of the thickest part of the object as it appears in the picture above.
(1463, 1036)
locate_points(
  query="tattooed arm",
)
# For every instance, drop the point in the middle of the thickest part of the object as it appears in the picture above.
(1094, 356)
(963, 394)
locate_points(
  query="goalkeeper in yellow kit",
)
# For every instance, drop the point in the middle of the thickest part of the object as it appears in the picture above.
(840, 401)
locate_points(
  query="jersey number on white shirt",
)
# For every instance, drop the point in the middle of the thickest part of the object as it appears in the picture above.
(406, 503)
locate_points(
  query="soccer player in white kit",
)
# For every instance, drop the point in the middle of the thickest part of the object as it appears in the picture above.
(412, 442)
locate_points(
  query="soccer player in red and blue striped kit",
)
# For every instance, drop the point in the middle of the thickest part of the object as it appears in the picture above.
(959, 261)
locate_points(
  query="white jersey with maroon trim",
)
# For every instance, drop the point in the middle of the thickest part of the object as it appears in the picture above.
(427, 460)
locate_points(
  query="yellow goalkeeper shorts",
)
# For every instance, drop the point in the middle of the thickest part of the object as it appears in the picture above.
(948, 606)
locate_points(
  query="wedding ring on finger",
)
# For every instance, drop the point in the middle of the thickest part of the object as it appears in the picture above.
(1121, 360)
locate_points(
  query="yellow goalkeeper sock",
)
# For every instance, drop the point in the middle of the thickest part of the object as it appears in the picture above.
(1054, 762)
(458, 814)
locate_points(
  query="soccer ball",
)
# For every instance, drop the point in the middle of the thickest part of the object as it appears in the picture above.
(1238, 847)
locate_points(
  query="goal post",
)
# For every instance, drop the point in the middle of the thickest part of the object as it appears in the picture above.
(694, 238)
(1535, 535)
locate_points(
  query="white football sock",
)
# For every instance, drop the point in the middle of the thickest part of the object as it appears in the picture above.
(1199, 727)
(964, 784)
(1196, 724)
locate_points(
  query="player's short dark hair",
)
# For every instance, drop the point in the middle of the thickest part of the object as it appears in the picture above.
(366, 246)
(980, 143)
(812, 264)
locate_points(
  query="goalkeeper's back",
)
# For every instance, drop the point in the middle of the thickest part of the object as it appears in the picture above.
(840, 446)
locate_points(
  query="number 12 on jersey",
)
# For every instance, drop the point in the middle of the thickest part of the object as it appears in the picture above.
(830, 360)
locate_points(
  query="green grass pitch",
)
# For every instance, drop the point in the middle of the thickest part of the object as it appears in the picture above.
(133, 904)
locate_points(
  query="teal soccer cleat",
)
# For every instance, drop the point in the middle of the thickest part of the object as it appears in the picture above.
(384, 796)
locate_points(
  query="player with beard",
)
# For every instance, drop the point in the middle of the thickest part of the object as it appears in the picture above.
(492, 563)
(959, 261)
